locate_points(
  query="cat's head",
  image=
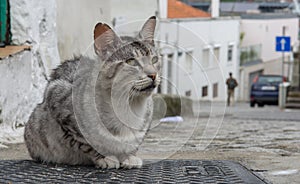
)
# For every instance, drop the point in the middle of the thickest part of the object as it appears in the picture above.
(130, 62)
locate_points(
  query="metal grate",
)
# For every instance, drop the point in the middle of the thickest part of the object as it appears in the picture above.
(167, 171)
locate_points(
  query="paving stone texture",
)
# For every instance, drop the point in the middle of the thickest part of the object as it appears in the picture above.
(265, 140)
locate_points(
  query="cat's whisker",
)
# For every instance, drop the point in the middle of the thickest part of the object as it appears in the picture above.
(131, 94)
(126, 84)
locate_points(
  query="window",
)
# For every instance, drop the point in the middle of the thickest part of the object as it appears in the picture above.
(4, 23)
(189, 61)
(217, 53)
(215, 90)
(205, 57)
(229, 53)
(204, 91)
(250, 54)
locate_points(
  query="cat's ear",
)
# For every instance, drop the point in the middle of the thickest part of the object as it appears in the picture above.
(105, 40)
(147, 32)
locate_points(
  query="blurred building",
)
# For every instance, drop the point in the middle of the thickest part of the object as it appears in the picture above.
(242, 7)
(198, 52)
(257, 48)
(270, 16)
(201, 40)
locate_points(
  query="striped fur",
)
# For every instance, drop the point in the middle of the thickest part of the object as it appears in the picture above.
(123, 100)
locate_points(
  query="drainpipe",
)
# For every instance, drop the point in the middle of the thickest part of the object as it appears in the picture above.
(215, 8)
(162, 6)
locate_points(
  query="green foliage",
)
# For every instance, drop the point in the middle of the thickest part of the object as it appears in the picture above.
(243, 57)
(242, 36)
(252, 54)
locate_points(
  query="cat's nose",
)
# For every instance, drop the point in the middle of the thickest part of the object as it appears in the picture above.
(152, 76)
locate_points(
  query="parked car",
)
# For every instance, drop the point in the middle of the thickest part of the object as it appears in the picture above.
(265, 90)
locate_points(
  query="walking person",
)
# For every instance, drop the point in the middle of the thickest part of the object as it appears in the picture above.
(231, 84)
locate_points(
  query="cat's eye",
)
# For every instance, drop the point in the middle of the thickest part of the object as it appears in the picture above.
(154, 59)
(132, 62)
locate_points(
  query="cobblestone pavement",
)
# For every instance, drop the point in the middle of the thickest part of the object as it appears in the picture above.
(266, 140)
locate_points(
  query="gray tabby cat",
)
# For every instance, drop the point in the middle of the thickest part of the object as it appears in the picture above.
(129, 72)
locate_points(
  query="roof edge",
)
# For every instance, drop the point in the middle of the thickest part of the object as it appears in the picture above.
(269, 16)
(199, 19)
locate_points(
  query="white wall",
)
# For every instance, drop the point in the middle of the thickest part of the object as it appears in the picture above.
(19, 93)
(264, 32)
(76, 20)
(195, 35)
(34, 23)
(23, 76)
(133, 10)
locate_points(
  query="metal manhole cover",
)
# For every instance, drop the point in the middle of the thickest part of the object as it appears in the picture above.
(166, 171)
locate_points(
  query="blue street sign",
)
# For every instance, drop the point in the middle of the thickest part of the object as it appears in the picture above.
(283, 43)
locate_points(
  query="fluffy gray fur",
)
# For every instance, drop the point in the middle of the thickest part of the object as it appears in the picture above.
(128, 73)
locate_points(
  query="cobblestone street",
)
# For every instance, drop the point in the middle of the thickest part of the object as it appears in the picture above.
(265, 140)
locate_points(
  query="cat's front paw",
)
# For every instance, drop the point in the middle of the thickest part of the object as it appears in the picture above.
(110, 162)
(132, 162)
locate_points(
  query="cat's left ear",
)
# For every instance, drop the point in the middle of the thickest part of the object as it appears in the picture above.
(105, 40)
(147, 32)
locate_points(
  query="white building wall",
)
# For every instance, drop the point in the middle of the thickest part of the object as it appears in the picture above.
(195, 35)
(264, 32)
(23, 76)
(133, 10)
(33, 23)
(76, 20)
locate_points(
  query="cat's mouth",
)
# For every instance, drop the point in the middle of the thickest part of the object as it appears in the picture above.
(149, 88)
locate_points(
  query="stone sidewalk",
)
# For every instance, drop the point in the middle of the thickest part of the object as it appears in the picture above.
(265, 140)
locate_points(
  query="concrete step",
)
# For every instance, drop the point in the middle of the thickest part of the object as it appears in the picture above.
(293, 99)
(292, 105)
(294, 94)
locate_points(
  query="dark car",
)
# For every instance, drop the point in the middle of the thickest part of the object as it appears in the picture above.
(265, 90)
